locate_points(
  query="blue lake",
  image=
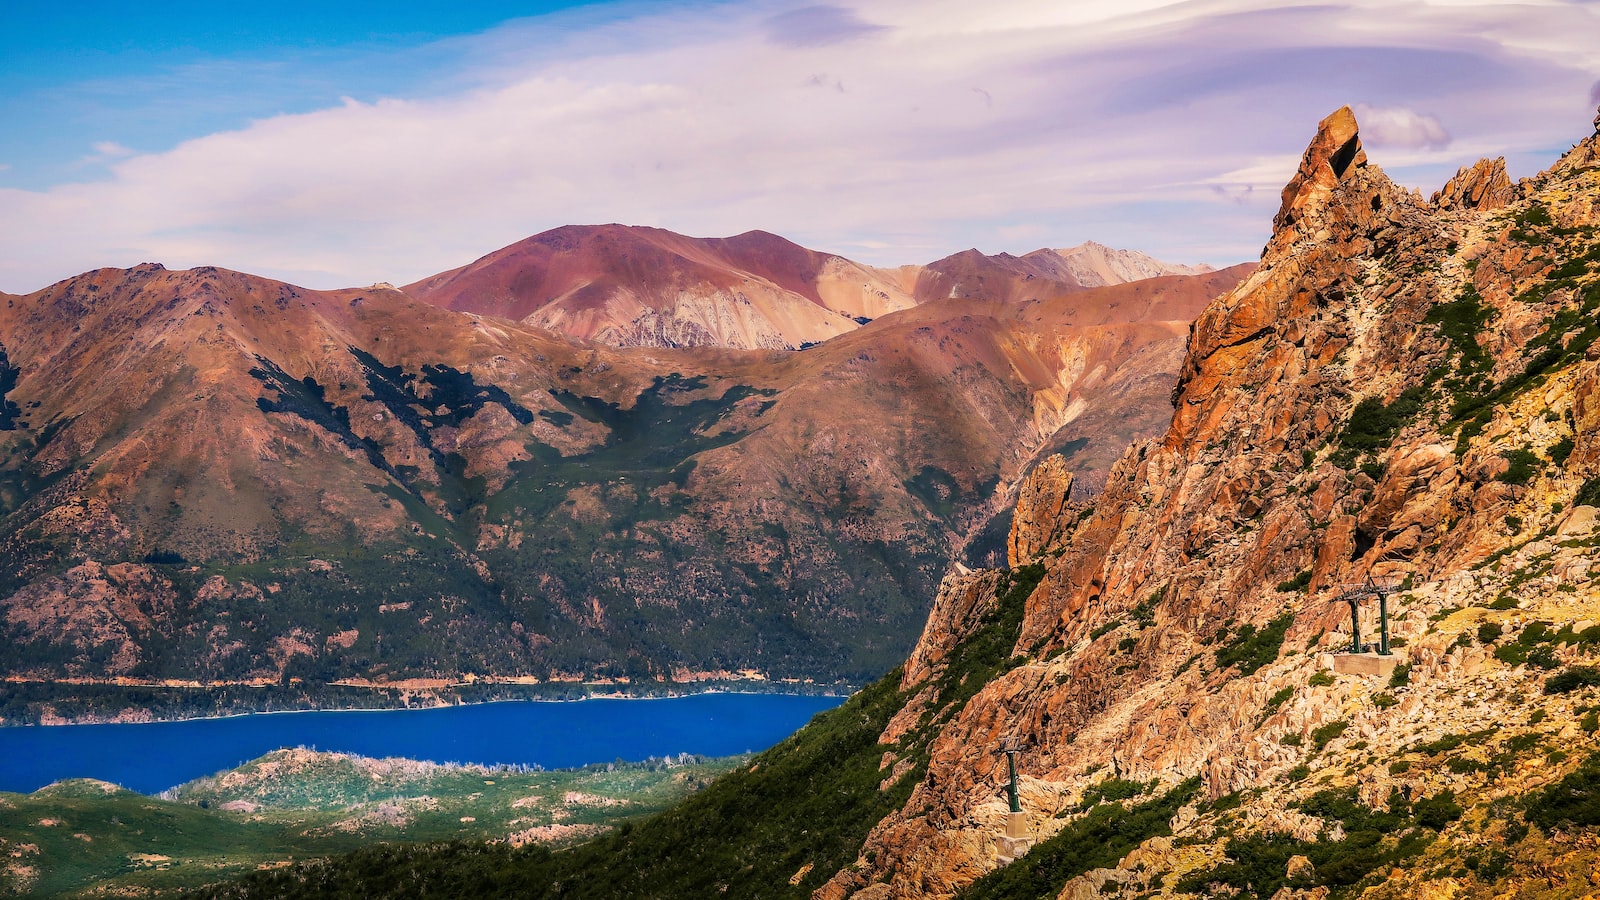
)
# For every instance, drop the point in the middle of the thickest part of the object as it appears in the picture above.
(155, 756)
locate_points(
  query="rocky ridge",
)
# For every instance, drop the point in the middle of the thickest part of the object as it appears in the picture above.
(1402, 390)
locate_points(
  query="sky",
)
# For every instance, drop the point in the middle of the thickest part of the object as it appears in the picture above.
(333, 145)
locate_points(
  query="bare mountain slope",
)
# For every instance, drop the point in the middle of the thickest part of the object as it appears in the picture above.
(632, 286)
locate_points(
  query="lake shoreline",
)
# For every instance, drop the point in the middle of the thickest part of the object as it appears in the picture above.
(67, 703)
(153, 756)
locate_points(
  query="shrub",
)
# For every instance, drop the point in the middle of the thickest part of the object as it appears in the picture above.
(1277, 700)
(1401, 676)
(1373, 424)
(1543, 657)
(1589, 494)
(1297, 583)
(1574, 800)
(1524, 465)
(1512, 654)
(1321, 735)
(1489, 632)
(1437, 811)
(1559, 451)
(1098, 839)
(1250, 649)
(1572, 678)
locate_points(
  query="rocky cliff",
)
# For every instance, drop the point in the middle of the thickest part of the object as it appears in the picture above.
(1401, 395)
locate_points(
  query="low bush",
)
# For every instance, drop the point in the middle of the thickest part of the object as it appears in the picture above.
(1572, 678)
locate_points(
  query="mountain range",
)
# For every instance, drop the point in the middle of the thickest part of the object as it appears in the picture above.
(209, 478)
(645, 287)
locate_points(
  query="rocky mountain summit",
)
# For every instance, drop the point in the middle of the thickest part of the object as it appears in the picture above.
(1402, 393)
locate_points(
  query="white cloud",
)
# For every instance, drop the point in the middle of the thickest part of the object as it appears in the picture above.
(938, 125)
(1400, 127)
(106, 151)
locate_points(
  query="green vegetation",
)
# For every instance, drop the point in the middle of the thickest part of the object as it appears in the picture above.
(1571, 679)
(1523, 465)
(811, 799)
(1459, 322)
(1110, 790)
(1250, 649)
(1589, 494)
(1567, 336)
(1101, 837)
(1560, 451)
(1298, 583)
(90, 835)
(987, 651)
(1574, 800)
(1373, 424)
(1322, 734)
(1277, 700)
(1374, 841)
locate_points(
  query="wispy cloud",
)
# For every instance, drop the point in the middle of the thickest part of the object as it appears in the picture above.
(105, 152)
(818, 26)
(1397, 126)
(1165, 126)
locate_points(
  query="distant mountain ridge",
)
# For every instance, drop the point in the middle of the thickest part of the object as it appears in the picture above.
(631, 286)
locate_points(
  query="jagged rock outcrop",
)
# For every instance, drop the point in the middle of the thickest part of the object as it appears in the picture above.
(1400, 390)
(1042, 514)
(1482, 185)
(1334, 151)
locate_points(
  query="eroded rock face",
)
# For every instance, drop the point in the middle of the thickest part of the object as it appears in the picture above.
(1333, 153)
(1042, 513)
(1483, 185)
(1305, 453)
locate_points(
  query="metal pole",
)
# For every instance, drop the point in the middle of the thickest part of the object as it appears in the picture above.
(1383, 624)
(1011, 789)
(1355, 626)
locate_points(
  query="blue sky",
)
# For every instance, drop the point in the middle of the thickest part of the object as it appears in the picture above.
(342, 144)
(146, 76)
